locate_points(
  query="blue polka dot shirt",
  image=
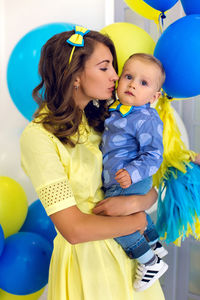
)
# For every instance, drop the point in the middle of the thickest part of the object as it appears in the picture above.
(133, 143)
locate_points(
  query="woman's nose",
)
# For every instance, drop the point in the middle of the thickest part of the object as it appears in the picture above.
(114, 76)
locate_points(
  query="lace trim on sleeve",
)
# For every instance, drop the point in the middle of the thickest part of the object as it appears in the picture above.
(55, 193)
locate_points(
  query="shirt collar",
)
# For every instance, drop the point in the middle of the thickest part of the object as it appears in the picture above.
(126, 109)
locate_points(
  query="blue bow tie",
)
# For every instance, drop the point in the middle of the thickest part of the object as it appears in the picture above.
(123, 109)
(126, 109)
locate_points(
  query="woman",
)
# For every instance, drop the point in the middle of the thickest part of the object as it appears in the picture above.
(60, 153)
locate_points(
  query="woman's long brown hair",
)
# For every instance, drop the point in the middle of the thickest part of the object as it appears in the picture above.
(62, 117)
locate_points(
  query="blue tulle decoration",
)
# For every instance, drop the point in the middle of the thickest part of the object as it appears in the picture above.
(179, 203)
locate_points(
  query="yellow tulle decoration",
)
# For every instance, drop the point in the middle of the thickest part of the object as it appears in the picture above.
(175, 152)
(175, 155)
(197, 230)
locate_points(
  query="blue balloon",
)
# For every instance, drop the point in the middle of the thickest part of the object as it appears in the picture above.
(1, 239)
(178, 48)
(161, 5)
(38, 221)
(191, 6)
(24, 263)
(22, 71)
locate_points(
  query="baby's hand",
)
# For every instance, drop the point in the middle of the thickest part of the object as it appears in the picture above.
(123, 178)
(197, 159)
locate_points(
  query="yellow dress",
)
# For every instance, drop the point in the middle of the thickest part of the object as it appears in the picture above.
(64, 176)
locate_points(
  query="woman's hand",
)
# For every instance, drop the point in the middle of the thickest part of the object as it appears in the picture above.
(115, 206)
(125, 205)
(141, 221)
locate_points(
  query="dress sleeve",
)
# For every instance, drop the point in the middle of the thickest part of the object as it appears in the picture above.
(42, 163)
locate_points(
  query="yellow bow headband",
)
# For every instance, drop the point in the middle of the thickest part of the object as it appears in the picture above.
(76, 40)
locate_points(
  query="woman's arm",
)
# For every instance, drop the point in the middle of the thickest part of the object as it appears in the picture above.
(77, 227)
(125, 205)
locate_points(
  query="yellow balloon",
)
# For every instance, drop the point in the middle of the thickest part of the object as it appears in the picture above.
(128, 39)
(6, 296)
(143, 9)
(13, 205)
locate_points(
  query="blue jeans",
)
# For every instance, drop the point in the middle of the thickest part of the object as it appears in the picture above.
(136, 245)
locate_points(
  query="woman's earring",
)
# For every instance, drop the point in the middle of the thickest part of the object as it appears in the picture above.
(96, 102)
(76, 87)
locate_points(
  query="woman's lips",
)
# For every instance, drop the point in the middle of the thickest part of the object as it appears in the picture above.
(111, 88)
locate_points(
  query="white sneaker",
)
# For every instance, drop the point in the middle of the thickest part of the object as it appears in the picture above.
(159, 250)
(147, 275)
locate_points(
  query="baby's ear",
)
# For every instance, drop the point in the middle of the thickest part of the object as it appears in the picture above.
(155, 97)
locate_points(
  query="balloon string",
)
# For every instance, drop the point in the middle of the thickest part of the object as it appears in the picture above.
(161, 18)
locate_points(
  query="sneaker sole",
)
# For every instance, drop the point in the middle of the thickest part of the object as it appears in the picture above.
(157, 276)
(161, 253)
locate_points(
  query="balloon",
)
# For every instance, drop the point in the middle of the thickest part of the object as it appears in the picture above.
(7, 296)
(24, 263)
(128, 39)
(1, 240)
(178, 49)
(22, 71)
(38, 221)
(13, 205)
(191, 6)
(161, 5)
(143, 9)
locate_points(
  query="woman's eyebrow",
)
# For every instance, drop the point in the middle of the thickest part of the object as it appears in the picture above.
(103, 61)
